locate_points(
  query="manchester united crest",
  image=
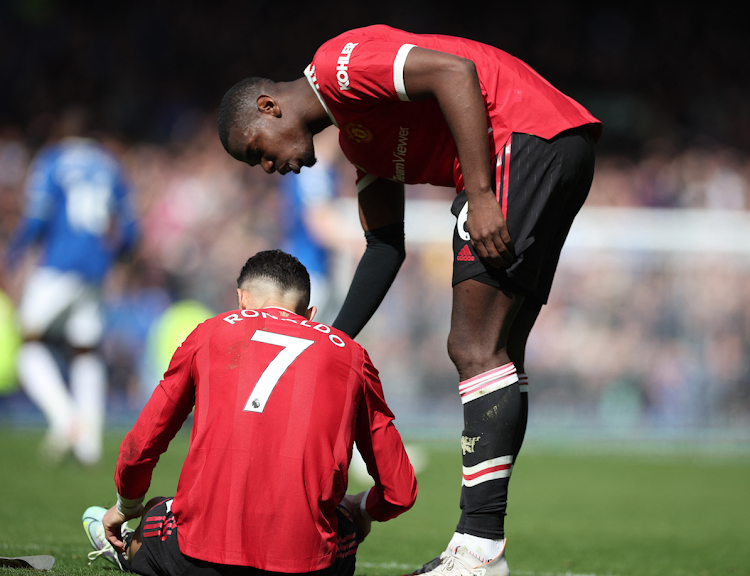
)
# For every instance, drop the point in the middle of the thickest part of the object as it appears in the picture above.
(358, 133)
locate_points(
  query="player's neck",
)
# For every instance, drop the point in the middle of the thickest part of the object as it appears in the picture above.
(279, 308)
(306, 103)
(252, 303)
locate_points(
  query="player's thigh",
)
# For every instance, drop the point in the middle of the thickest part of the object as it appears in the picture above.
(84, 326)
(481, 321)
(47, 295)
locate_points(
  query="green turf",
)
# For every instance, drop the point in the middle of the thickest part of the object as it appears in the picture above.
(572, 512)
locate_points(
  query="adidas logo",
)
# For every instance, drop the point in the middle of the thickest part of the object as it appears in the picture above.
(465, 255)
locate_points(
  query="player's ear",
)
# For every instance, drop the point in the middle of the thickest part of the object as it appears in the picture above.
(310, 313)
(241, 304)
(268, 105)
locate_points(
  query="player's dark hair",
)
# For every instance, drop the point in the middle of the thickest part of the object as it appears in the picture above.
(237, 104)
(279, 267)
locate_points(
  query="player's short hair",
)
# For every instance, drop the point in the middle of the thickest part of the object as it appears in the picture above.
(279, 267)
(237, 106)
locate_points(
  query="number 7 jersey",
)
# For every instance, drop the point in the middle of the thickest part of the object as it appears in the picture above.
(279, 401)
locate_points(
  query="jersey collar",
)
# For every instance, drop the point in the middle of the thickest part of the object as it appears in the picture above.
(313, 85)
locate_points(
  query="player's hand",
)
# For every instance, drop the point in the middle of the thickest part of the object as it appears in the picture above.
(489, 232)
(353, 502)
(113, 522)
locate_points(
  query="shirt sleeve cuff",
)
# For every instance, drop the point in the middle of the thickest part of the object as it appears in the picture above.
(128, 507)
(398, 71)
(363, 506)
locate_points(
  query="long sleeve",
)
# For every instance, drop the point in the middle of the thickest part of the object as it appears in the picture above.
(40, 204)
(127, 218)
(161, 418)
(374, 275)
(383, 451)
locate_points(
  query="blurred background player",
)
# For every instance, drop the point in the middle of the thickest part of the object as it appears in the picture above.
(309, 220)
(278, 402)
(78, 213)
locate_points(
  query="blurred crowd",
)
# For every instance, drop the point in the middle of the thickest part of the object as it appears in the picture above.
(655, 340)
(628, 339)
(715, 178)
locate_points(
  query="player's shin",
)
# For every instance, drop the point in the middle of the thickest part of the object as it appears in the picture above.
(493, 419)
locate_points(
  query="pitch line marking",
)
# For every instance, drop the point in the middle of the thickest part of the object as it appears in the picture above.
(396, 565)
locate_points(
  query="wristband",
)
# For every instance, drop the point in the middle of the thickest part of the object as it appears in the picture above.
(129, 507)
(363, 506)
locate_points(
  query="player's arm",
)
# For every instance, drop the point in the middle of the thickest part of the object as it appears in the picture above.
(454, 83)
(40, 205)
(30, 230)
(159, 421)
(382, 449)
(381, 212)
(127, 221)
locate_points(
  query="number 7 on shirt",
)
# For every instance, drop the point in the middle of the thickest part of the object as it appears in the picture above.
(291, 348)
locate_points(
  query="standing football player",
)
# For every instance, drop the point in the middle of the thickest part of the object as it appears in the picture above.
(79, 214)
(447, 111)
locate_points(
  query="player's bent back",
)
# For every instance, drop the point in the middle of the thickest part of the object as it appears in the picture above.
(279, 401)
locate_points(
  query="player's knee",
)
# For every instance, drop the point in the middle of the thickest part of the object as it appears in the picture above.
(472, 356)
(153, 502)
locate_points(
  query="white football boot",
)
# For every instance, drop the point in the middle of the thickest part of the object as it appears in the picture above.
(463, 563)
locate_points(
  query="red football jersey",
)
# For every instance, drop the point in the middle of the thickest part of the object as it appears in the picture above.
(359, 78)
(279, 401)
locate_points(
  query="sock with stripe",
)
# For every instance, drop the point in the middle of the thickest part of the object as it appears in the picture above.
(456, 542)
(483, 549)
(493, 416)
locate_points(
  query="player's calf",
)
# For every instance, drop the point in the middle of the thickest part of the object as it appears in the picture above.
(492, 410)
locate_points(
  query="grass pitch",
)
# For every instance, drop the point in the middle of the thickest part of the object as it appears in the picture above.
(572, 512)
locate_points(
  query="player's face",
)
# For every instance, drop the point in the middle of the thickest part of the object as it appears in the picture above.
(272, 145)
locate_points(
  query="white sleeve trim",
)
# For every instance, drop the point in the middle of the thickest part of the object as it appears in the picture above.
(398, 71)
(366, 180)
(363, 505)
(128, 507)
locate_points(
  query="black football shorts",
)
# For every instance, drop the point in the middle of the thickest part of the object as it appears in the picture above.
(160, 554)
(540, 185)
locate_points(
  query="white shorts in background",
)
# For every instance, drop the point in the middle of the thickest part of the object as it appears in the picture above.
(57, 300)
